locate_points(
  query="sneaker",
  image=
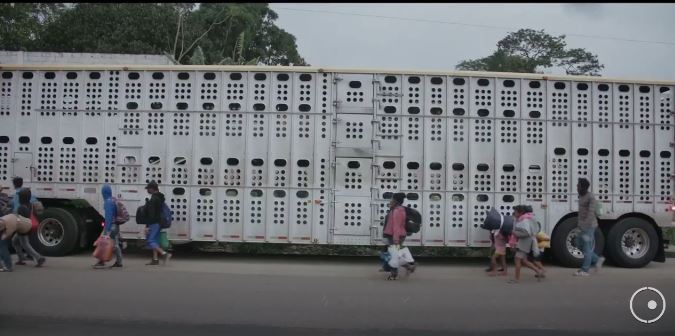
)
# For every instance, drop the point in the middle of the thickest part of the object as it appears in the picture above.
(116, 265)
(598, 264)
(99, 265)
(581, 273)
(166, 258)
(411, 268)
(20, 263)
(153, 262)
(40, 262)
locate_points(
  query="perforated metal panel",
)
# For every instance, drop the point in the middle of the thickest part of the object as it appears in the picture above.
(8, 89)
(178, 199)
(433, 219)
(323, 157)
(481, 155)
(354, 131)
(206, 143)
(533, 138)
(602, 182)
(507, 145)
(353, 177)
(259, 92)
(254, 218)
(457, 162)
(231, 215)
(664, 96)
(263, 155)
(91, 156)
(582, 146)
(352, 216)
(354, 93)
(623, 147)
(300, 217)
(479, 205)
(643, 182)
(457, 214)
(389, 122)
(558, 152)
(278, 216)
(204, 214)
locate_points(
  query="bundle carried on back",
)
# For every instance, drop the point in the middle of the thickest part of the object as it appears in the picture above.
(496, 221)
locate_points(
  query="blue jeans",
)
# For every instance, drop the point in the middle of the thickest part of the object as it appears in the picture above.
(4, 253)
(152, 239)
(586, 242)
(115, 236)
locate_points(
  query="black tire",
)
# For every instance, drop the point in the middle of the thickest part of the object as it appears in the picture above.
(60, 241)
(640, 255)
(559, 246)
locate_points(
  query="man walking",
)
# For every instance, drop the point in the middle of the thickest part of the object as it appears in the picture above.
(111, 229)
(24, 200)
(588, 223)
(394, 232)
(153, 208)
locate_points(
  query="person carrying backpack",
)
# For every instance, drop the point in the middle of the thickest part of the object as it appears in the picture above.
(395, 232)
(20, 242)
(114, 217)
(153, 217)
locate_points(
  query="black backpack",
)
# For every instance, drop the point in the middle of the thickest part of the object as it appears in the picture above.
(141, 218)
(413, 220)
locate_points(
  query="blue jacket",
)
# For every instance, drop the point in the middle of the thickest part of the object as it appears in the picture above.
(15, 200)
(109, 207)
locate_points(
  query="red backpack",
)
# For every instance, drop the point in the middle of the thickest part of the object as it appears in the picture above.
(121, 213)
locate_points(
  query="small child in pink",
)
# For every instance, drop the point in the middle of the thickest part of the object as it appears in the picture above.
(500, 252)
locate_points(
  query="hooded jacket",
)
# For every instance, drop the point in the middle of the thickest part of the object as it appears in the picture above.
(153, 208)
(15, 200)
(109, 207)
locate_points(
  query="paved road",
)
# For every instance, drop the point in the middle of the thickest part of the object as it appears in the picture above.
(219, 295)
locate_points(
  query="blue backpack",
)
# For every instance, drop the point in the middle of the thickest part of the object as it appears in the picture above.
(165, 217)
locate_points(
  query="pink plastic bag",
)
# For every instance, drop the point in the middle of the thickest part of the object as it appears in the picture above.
(104, 249)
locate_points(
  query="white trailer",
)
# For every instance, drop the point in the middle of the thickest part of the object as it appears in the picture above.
(310, 156)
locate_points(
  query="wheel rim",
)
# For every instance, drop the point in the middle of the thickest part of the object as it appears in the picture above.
(635, 243)
(50, 232)
(570, 242)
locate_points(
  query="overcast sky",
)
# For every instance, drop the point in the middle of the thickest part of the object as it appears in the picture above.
(334, 40)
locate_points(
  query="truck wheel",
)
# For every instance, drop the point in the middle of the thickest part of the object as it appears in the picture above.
(57, 233)
(633, 242)
(564, 244)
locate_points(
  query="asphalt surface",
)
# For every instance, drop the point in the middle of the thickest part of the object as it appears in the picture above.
(228, 295)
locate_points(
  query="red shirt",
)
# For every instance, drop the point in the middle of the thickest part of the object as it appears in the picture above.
(395, 226)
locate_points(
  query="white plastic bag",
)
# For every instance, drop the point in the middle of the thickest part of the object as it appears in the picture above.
(393, 251)
(405, 256)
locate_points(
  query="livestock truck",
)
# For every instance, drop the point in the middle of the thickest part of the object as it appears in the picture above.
(305, 155)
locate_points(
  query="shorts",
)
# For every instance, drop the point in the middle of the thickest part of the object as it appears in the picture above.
(152, 239)
(531, 257)
(500, 245)
(521, 255)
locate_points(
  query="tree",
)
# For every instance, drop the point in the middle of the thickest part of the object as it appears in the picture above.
(22, 24)
(531, 51)
(208, 34)
(133, 28)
